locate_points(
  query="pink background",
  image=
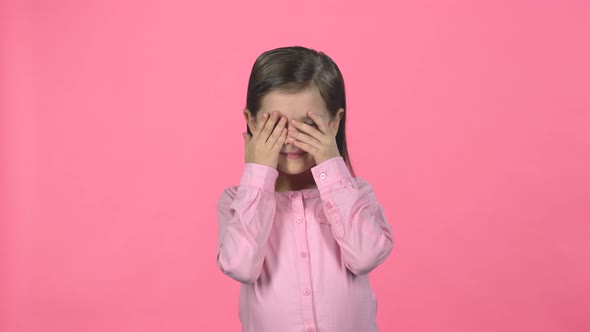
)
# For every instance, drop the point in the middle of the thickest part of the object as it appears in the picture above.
(121, 124)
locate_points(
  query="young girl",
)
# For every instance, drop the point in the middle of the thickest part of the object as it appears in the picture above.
(300, 232)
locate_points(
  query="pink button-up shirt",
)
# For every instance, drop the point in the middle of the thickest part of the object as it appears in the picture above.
(303, 257)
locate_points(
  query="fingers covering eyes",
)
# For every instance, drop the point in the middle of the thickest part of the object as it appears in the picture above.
(277, 130)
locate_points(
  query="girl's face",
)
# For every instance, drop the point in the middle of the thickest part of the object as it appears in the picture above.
(292, 106)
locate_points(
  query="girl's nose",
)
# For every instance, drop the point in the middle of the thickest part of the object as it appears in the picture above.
(288, 140)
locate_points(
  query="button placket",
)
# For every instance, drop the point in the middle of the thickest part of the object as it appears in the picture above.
(304, 269)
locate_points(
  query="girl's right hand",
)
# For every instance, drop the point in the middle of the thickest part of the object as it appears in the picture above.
(265, 144)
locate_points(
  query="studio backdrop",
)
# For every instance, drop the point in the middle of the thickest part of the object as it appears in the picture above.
(121, 124)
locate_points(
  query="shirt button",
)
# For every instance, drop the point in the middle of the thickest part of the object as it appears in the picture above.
(322, 176)
(306, 291)
(309, 329)
(299, 219)
(303, 254)
(295, 195)
(328, 205)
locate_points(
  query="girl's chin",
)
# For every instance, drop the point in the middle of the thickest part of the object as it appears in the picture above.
(288, 167)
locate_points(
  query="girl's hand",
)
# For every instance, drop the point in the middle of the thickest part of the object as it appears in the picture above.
(318, 140)
(264, 145)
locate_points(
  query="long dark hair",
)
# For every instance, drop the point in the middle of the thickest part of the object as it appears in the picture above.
(294, 69)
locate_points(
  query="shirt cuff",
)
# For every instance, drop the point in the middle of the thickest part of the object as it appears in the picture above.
(330, 171)
(260, 176)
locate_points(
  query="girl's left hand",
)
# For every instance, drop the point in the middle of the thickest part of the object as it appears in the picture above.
(320, 141)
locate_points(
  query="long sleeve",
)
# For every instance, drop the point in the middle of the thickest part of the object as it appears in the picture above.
(245, 217)
(358, 222)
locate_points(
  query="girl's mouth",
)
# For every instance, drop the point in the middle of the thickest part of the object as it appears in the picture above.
(293, 155)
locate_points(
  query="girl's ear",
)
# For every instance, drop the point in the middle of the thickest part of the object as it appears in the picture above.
(250, 119)
(335, 123)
